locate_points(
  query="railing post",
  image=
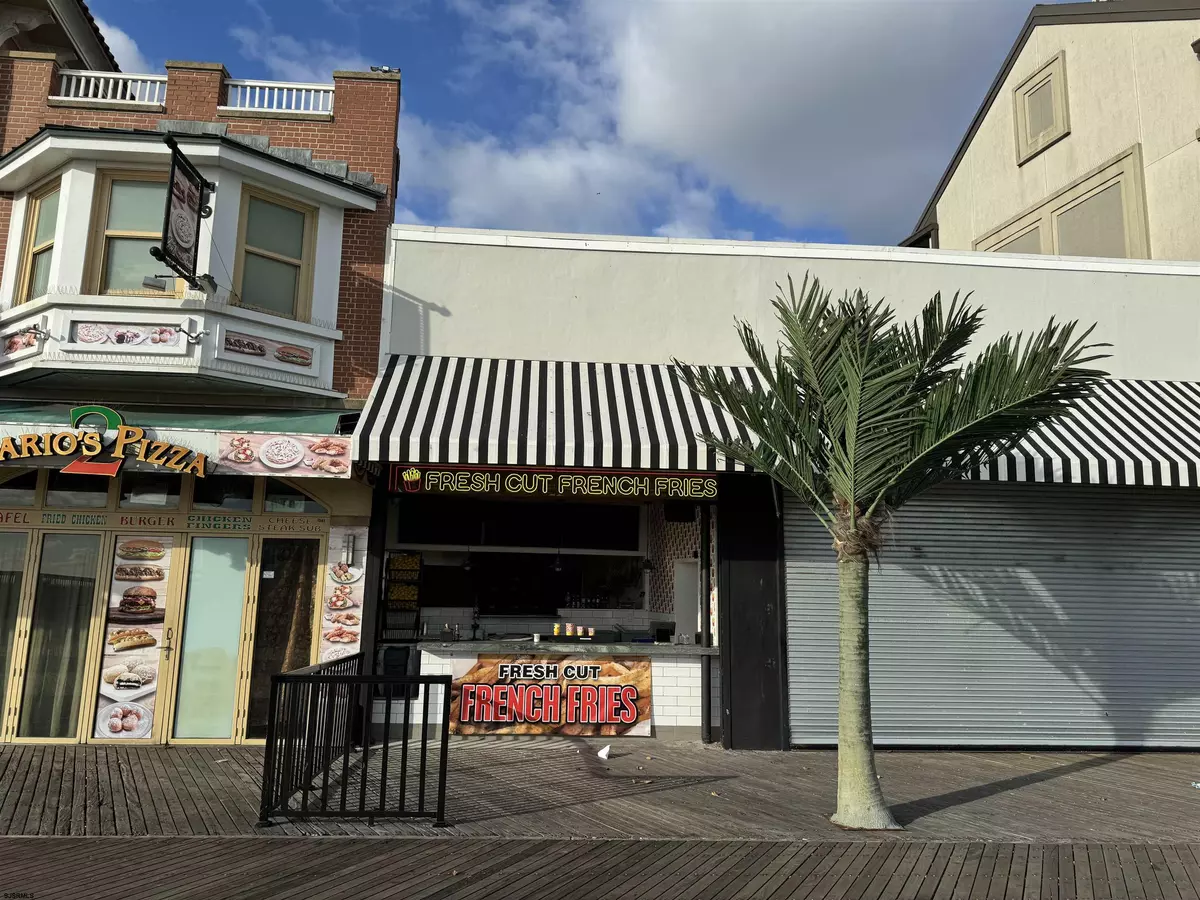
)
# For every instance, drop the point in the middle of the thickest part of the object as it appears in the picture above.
(267, 802)
(444, 762)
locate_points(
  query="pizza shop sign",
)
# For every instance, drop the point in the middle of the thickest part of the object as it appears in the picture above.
(553, 483)
(100, 441)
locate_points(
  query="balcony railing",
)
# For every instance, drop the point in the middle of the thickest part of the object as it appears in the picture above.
(279, 97)
(266, 98)
(108, 87)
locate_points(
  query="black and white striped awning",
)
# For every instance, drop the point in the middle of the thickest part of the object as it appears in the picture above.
(506, 412)
(1127, 432)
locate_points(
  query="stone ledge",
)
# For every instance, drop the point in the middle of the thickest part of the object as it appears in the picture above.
(28, 54)
(367, 76)
(119, 105)
(229, 112)
(199, 66)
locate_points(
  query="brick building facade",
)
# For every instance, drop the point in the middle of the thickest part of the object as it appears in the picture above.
(361, 132)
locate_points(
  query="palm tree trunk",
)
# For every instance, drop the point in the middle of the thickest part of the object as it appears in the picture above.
(860, 802)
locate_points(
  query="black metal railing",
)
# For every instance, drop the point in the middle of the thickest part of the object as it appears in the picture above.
(339, 743)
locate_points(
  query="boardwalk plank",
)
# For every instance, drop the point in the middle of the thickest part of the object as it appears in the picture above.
(984, 874)
(1189, 889)
(1017, 870)
(954, 868)
(1114, 877)
(853, 858)
(1001, 867)
(927, 884)
(1162, 872)
(1033, 873)
(965, 882)
(911, 886)
(1133, 879)
(895, 881)
(879, 872)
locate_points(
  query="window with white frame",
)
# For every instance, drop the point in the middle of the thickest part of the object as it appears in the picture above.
(1102, 214)
(1040, 109)
(38, 250)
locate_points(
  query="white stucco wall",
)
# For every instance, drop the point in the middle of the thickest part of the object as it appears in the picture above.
(479, 293)
(1127, 83)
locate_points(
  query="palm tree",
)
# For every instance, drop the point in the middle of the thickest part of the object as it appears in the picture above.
(856, 415)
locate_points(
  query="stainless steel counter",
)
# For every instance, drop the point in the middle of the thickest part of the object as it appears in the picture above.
(574, 648)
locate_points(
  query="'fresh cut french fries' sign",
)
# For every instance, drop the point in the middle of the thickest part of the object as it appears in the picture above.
(553, 694)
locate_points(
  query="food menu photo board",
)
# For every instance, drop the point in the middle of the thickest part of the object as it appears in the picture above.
(568, 695)
(258, 350)
(293, 455)
(133, 637)
(342, 593)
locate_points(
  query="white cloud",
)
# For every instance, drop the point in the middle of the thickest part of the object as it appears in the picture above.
(824, 114)
(837, 114)
(288, 59)
(125, 49)
(566, 168)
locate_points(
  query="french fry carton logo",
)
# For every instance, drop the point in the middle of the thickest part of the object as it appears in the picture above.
(411, 479)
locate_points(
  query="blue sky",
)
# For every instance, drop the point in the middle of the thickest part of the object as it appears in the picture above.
(809, 120)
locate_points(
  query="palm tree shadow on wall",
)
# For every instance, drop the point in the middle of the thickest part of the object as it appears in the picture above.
(1051, 601)
(411, 321)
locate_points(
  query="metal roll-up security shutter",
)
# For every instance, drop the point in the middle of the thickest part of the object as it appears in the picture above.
(1012, 615)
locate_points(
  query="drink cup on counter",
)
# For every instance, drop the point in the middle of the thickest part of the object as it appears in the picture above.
(591, 631)
(570, 630)
(557, 629)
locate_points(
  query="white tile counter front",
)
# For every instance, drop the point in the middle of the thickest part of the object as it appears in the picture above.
(674, 673)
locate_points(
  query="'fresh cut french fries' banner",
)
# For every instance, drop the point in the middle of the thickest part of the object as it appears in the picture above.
(584, 696)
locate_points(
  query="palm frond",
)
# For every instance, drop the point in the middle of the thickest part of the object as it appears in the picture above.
(989, 405)
(856, 414)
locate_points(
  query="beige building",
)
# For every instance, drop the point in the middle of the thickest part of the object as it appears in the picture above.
(1086, 144)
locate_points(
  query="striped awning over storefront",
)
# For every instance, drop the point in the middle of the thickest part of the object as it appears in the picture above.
(505, 412)
(1127, 432)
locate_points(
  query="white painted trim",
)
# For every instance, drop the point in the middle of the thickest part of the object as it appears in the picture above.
(54, 150)
(12, 253)
(190, 303)
(389, 299)
(782, 250)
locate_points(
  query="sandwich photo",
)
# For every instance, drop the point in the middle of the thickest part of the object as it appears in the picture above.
(139, 573)
(138, 601)
(131, 639)
(140, 549)
(297, 356)
(238, 344)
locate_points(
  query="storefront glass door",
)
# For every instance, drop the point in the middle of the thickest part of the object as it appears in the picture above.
(283, 626)
(12, 570)
(211, 639)
(58, 635)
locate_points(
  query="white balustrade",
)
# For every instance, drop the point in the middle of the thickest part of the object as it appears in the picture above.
(109, 87)
(279, 96)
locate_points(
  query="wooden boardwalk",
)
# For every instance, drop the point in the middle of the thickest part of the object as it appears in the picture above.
(558, 788)
(416, 869)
